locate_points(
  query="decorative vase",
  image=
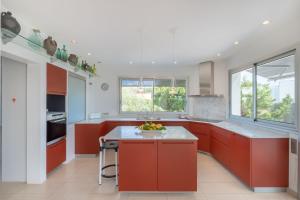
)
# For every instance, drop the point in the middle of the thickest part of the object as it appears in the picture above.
(50, 46)
(64, 54)
(84, 66)
(73, 59)
(58, 53)
(10, 27)
(35, 39)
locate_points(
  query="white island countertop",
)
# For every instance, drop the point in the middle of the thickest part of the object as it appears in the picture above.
(132, 133)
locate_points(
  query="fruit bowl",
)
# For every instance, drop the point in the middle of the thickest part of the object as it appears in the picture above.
(150, 127)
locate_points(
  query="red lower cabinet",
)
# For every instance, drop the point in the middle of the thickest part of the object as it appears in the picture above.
(137, 165)
(56, 155)
(177, 165)
(87, 138)
(202, 131)
(258, 162)
(269, 162)
(221, 152)
(240, 158)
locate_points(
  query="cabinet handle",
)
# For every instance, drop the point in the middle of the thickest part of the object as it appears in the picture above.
(138, 142)
(177, 142)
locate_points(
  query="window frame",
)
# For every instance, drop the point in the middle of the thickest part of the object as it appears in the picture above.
(253, 118)
(153, 79)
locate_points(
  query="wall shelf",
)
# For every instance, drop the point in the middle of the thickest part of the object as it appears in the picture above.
(23, 41)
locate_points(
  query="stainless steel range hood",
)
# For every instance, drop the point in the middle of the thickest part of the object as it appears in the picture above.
(206, 80)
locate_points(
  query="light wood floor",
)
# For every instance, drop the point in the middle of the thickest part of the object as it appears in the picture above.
(77, 180)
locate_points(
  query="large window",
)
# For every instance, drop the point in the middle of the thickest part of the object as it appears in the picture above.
(152, 95)
(273, 84)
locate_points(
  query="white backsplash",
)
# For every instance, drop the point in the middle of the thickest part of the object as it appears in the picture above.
(209, 107)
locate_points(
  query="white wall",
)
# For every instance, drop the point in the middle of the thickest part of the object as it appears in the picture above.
(108, 101)
(14, 138)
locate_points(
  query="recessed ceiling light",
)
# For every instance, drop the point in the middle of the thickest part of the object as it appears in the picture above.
(153, 62)
(175, 62)
(236, 42)
(73, 41)
(130, 62)
(89, 54)
(266, 22)
(218, 54)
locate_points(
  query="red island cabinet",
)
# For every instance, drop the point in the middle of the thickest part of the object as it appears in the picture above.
(177, 165)
(138, 165)
(157, 165)
(56, 80)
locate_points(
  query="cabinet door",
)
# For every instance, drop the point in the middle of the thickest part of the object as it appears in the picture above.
(137, 165)
(220, 152)
(202, 131)
(56, 80)
(177, 165)
(56, 155)
(240, 165)
(87, 138)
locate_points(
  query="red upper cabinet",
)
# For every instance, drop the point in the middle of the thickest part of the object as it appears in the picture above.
(56, 80)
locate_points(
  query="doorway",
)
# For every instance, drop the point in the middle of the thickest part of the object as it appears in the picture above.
(14, 120)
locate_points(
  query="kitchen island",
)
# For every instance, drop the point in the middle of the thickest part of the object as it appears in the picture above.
(154, 161)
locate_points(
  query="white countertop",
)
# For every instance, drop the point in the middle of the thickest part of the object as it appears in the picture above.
(251, 131)
(132, 133)
(244, 130)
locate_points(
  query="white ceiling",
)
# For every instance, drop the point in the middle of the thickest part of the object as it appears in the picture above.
(109, 29)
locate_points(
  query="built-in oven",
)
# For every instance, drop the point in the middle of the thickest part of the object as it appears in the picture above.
(56, 126)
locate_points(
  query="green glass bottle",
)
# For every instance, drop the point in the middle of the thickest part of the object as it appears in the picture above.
(58, 53)
(64, 54)
(35, 39)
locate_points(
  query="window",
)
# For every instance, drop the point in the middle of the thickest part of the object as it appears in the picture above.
(76, 98)
(273, 83)
(242, 93)
(152, 95)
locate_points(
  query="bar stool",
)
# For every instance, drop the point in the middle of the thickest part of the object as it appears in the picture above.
(105, 145)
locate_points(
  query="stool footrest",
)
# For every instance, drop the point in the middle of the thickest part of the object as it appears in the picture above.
(108, 176)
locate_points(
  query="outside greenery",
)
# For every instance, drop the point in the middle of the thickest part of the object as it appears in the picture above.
(157, 99)
(267, 108)
(166, 102)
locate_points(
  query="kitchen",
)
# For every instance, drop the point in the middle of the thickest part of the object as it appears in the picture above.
(222, 109)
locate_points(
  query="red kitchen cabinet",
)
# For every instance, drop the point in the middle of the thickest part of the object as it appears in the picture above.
(56, 80)
(202, 131)
(56, 155)
(258, 162)
(177, 165)
(269, 162)
(220, 152)
(240, 158)
(87, 138)
(137, 165)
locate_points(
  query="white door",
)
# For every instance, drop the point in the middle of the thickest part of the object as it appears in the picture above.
(14, 140)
